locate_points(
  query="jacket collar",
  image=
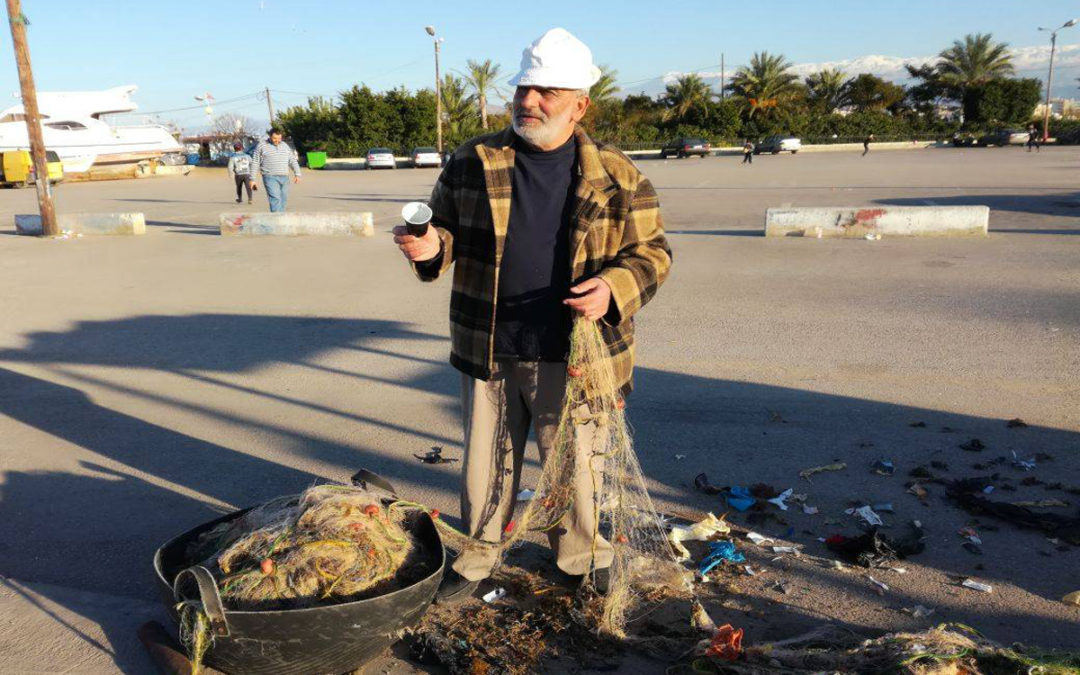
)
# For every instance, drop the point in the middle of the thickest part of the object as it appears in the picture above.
(589, 166)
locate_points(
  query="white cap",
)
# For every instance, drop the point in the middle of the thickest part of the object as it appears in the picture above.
(558, 60)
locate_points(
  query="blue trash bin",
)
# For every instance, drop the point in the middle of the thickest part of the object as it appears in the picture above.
(193, 158)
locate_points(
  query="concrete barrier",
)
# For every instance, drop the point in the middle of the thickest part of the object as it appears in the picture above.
(332, 224)
(889, 221)
(84, 223)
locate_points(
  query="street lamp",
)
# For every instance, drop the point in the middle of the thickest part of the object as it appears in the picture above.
(438, 87)
(1050, 76)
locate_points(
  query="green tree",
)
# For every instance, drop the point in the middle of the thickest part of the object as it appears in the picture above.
(975, 60)
(683, 95)
(1002, 101)
(605, 88)
(870, 92)
(767, 83)
(827, 89)
(460, 122)
(482, 77)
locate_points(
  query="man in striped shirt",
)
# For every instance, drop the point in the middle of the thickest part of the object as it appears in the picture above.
(273, 159)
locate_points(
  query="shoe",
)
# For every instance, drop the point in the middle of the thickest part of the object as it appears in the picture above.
(249, 201)
(454, 589)
(237, 200)
(599, 579)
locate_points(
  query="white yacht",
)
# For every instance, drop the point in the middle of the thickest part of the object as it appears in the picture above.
(72, 126)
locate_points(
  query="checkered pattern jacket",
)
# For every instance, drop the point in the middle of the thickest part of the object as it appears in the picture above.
(616, 234)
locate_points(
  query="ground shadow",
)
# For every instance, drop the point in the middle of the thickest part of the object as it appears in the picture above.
(720, 233)
(373, 198)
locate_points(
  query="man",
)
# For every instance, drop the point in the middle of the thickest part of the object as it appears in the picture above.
(538, 221)
(748, 152)
(240, 171)
(274, 159)
(1033, 138)
(866, 144)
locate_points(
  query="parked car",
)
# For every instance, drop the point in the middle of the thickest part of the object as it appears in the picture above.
(380, 158)
(684, 147)
(778, 144)
(1003, 137)
(425, 157)
(964, 139)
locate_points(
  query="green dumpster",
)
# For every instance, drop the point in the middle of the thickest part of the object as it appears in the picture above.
(316, 160)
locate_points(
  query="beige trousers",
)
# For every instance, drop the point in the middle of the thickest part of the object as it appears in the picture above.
(496, 416)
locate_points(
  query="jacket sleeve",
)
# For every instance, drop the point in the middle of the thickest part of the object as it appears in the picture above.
(444, 219)
(643, 260)
(231, 169)
(294, 164)
(256, 159)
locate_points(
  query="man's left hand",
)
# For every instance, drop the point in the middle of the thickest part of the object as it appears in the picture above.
(296, 179)
(593, 298)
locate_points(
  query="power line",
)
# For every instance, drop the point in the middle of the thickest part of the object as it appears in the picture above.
(655, 77)
(198, 107)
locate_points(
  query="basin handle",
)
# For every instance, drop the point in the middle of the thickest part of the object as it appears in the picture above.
(364, 478)
(208, 595)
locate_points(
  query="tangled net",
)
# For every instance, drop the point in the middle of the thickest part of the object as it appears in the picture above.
(330, 544)
(644, 569)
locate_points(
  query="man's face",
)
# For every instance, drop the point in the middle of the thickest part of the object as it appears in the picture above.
(546, 117)
(275, 138)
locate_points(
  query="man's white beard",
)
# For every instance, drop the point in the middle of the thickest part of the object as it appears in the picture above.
(542, 134)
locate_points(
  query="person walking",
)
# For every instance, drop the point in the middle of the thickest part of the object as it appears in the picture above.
(240, 171)
(274, 159)
(540, 223)
(866, 144)
(1033, 138)
(748, 152)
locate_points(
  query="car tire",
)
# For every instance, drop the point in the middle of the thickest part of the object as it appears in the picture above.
(794, 152)
(776, 152)
(681, 155)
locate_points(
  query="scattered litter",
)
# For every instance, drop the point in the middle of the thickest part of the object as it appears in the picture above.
(525, 495)
(809, 510)
(898, 570)
(779, 499)
(1016, 423)
(919, 491)
(726, 643)
(720, 551)
(885, 507)
(873, 236)
(703, 530)
(874, 549)
(867, 514)
(739, 498)
(974, 445)
(806, 473)
(679, 457)
(494, 595)
(836, 563)
(920, 472)
(757, 538)
(970, 535)
(1072, 598)
(434, 456)
(1025, 464)
(779, 587)
(700, 619)
(1043, 504)
(785, 549)
(918, 425)
(919, 612)
(749, 571)
(988, 489)
(701, 482)
(883, 467)
(775, 416)
(966, 493)
(975, 585)
(883, 587)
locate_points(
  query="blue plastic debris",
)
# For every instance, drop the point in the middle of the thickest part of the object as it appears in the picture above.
(739, 498)
(719, 551)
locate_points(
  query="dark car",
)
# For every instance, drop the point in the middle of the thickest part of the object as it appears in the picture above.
(684, 147)
(1003, 137)
(964, 139)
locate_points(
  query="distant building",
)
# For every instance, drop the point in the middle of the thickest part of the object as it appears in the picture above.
(1059, 108)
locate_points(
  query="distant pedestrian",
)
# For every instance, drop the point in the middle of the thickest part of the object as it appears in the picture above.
(274, 159)
(1033, 138)
(240, 171)
(866, 144)
(748, 152)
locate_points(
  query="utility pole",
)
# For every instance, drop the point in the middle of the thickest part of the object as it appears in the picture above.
(721, 76)
(270, 106)
(33, 118)
(1050, 76)
(438, 89)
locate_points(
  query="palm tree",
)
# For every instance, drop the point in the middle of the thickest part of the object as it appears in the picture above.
(976, 60)
(829, 88)
(457, 107)
(766, 82)
(481, 77)
(605, 88)
(685, 94)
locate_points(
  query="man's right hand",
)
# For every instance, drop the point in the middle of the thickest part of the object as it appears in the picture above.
(417, 249)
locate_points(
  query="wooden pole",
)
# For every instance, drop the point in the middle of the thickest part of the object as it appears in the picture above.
(270, 106)
(18, 23)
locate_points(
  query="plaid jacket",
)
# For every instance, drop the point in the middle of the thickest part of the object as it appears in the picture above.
(617, 234)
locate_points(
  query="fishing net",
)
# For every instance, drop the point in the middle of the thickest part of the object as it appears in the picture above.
(644, 569)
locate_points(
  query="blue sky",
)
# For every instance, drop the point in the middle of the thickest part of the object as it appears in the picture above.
(174, 50)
